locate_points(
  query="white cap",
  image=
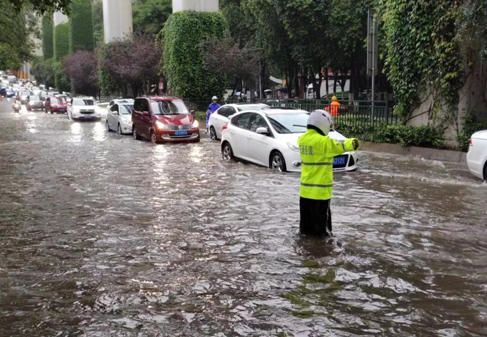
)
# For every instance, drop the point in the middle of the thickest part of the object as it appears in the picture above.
(322, 120)
(214, 98)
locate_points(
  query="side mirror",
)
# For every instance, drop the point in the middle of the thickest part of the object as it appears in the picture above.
(145, 113)
(262, 131)
(192, 112)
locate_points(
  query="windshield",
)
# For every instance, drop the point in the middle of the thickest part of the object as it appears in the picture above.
(34, 98)
(289, 123)
(252, 107)
(83, 102)
(169, 108)
(126, 109)
(58, 100)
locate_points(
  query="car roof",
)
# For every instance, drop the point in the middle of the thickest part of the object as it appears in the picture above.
(285, 111)
(236, 105)
(161, 98)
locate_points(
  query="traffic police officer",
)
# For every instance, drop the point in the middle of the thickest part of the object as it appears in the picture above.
(317, 153)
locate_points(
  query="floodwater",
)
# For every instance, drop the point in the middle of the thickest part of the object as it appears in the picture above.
(101, 235)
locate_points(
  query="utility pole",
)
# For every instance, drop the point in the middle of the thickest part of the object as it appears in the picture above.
(372, 53)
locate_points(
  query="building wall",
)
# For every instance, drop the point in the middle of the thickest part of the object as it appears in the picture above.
(117, 19)
(196, 5)
(59, 18)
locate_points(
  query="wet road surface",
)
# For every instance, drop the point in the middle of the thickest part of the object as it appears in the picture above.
(101, 235)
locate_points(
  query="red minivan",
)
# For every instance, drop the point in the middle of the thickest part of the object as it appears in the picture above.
(57, 104)
(164, 119)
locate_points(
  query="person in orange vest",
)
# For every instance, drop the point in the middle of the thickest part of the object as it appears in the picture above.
(334, 107)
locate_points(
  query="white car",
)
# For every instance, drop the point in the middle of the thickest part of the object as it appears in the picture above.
(219, 118)
(119, 116)
(270, 138)
(477, 155)
(83, 108)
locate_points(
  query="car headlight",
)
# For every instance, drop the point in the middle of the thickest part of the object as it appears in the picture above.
(293, 147)
(196, 124)
(161, 126)
(30, 103)
(128, 121)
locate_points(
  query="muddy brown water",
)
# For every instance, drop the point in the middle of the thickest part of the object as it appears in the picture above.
(101, 235)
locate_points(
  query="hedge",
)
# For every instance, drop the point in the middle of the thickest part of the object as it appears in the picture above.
(61, 49)
(47, 37)
(61, 41)
(183, 62)
(81, 28)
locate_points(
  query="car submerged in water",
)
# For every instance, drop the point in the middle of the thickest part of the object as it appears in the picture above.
(270, 138)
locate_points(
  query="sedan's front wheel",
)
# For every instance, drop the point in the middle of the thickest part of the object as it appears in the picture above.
(119, 130)
(108, 126)
(227, 152)
(277, 162)
(153, 138)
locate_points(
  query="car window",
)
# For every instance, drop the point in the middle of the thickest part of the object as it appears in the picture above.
(125, 109)
(169, 108)
(223, 111)
(137, 105)
(114, 108)
(256, 122)
(34, 98)
(242, 121)
(57, 99)
(144, 105)
(231, 111)
(83, 102)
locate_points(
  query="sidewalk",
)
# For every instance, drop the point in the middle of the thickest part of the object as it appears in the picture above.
(426, 153)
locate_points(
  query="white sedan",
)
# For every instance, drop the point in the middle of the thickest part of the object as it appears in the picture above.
(220, 117)
(83, 108)
(477, 155)
(270, 137)
(119, 117)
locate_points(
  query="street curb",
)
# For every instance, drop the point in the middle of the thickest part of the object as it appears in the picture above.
(426, 153)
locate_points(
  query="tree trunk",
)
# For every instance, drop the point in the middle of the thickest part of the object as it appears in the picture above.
(327, 84)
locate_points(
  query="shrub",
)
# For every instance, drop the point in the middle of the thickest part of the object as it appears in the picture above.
(81, 28)
(183, 61)
(82, 68)
(471, 125)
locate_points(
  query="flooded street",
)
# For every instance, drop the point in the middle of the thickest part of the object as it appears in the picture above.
(101, 235)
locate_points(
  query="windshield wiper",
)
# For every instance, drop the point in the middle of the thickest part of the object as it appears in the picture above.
(301, 126)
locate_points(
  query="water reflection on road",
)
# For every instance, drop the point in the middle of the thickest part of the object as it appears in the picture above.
(101, 235)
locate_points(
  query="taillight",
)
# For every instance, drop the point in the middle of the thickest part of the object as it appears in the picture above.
(225, 127)
(471, 142)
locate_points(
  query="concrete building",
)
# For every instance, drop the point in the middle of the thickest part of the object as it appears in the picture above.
(195, 5)
(117, 19)
(59, 18)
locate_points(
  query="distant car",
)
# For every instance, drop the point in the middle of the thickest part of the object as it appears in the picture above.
(22, 96)
(220, 117)
(83, 108)
(33, 102)
(164, 119)
(270, 138)
(477, 155)
(119, 116)
(56, 104)
(9, 93)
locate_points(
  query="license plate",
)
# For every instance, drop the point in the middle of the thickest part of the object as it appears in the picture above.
(181, 132)
(87, 116)
(342, 160)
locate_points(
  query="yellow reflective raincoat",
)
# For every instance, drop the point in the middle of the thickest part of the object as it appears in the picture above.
(317, 153)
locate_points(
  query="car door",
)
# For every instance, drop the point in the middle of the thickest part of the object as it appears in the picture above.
(259, 145)
(142, 122)
(218, 120)
(47, 103)
(112, 115)
(240, 135)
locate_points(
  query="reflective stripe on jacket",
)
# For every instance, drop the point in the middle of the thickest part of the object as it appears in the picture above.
(317, 153)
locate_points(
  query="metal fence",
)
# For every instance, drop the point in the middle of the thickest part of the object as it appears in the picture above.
(351, 114)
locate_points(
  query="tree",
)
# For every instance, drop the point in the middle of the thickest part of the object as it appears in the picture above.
(82, 69)
(81, 26)
(15, 30)
(47, 37)
(39, 6)
(227, 57)
(61, 50)
(183, 63)
(129, 65)
(149, 16)
(44, 71)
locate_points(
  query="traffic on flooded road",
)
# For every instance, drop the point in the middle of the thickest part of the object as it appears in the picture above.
(102, 235)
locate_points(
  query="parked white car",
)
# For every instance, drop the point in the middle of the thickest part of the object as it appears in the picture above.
(270, 138)
(119, 116)
(477, 155)
(220, 117)
(83, 108)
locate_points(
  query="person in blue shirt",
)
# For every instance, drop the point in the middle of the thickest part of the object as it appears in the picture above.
(214, 106)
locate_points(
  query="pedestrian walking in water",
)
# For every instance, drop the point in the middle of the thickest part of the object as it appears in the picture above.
(317, 153)
(214, 106)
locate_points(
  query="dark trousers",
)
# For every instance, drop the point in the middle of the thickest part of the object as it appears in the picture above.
(315, 217)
